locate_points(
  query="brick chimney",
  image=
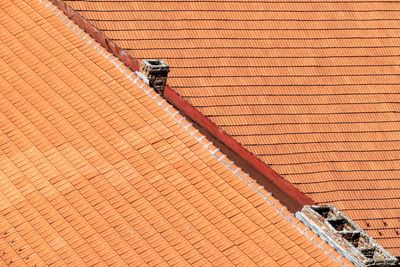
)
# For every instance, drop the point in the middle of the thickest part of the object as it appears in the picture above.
(156, 71)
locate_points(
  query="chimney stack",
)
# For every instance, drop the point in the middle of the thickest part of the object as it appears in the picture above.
(156, 71)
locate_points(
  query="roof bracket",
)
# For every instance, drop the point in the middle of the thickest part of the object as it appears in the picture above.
(345, 236)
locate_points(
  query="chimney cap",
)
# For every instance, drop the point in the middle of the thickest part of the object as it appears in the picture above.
(154, 65)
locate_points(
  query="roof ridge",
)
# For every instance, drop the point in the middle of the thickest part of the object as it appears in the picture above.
(286, 192)
(180, 119)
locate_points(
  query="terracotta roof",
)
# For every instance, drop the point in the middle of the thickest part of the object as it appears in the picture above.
(310, 87)
(94, 170)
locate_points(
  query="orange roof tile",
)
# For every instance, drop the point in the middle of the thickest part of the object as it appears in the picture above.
(94, 170)
(309, 87)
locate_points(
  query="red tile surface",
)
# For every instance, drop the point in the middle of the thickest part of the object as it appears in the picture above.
(309, 87)
(94, 172)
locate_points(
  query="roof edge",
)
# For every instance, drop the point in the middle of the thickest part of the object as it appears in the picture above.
(283, 190)
(97, 35)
